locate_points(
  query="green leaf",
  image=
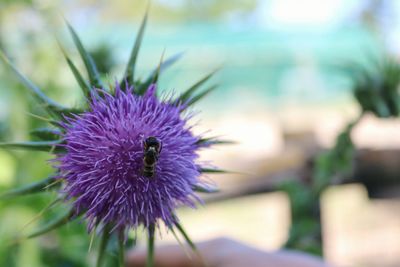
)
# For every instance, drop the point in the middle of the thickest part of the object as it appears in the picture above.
(210, 170)
(56, 223)
(32, 188)
(205, 189)
(94, 76)
(157, 72)
(103, 245)
(46, 146)
(46, 134)
(196, 98)
(150, 246)
(129, 75)
(185, 96)
(52, 107)
(86, 89)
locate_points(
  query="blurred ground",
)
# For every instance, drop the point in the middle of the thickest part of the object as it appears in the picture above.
(357, 231)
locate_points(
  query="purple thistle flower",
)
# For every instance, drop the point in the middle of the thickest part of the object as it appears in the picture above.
(104, 163)
(127, 160)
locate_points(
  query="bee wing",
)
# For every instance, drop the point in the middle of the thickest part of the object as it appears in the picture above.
(161, 145)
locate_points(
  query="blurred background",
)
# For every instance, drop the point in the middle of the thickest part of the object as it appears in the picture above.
(284, 96)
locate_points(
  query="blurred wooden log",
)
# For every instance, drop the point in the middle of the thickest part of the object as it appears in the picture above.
(379, 171)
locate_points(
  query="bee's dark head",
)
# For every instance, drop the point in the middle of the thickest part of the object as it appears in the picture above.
(152, 141)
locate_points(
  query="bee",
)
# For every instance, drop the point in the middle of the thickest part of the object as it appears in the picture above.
(152, 148)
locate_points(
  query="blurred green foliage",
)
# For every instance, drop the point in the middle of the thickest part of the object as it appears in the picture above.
(336, 165)
(376, 90)
(376, 86)
(305, 232)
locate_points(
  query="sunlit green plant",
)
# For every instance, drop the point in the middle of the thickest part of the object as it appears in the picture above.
(127, 159)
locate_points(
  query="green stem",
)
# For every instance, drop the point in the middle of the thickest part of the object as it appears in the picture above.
(121, 249)
(103, 245)
(150, 246)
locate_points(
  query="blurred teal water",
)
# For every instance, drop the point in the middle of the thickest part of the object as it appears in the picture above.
(297, 66)
(276, 66)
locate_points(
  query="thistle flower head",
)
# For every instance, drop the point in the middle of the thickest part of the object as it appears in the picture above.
(105, 160)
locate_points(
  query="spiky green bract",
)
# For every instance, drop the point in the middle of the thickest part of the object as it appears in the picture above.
(33, 188)
(54, 109)
(46, 134)
(211, 170)
(185, 235)
(47, 146)
(213, 141)
(63, 219)
(201, 188)
(154, 75)
(190, 95)
(86, 88)
(94, 76)
(129, 75)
